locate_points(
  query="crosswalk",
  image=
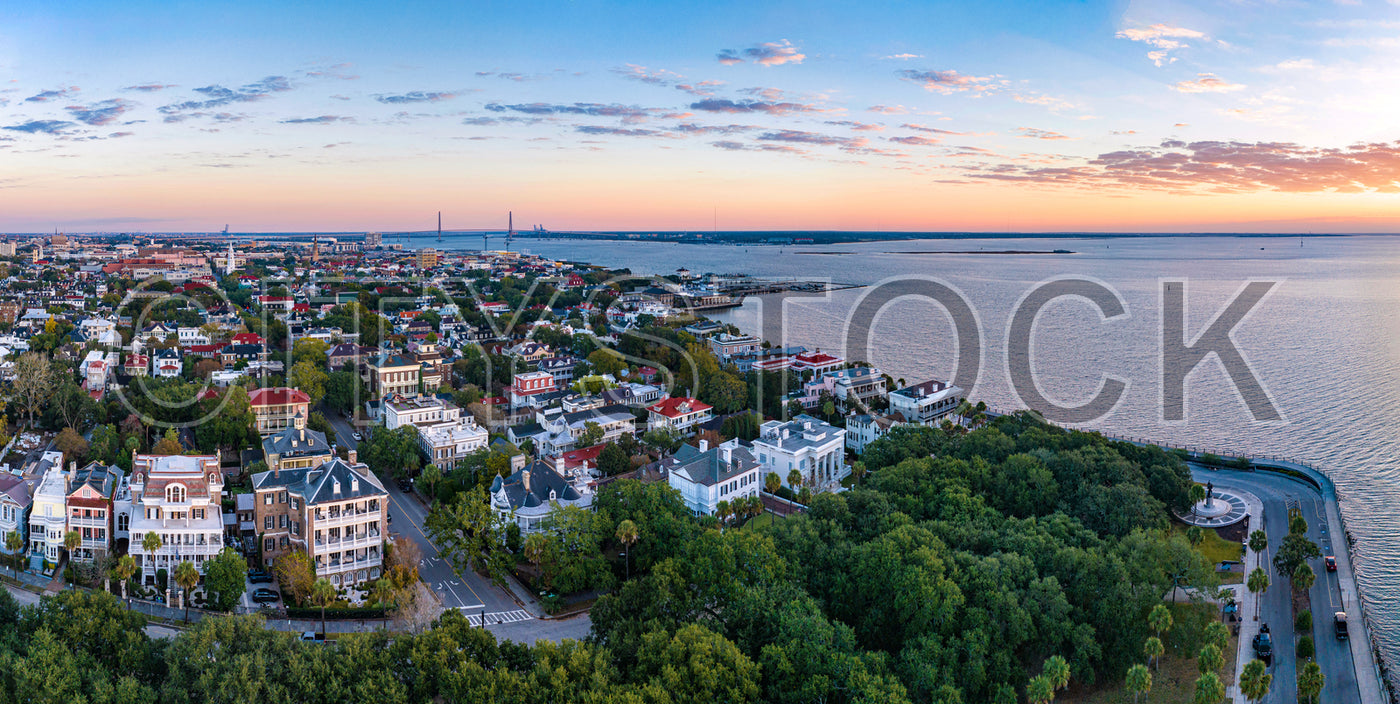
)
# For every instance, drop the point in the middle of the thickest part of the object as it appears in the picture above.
(500, 617)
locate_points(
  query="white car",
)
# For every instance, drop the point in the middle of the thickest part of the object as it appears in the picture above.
(358, 437)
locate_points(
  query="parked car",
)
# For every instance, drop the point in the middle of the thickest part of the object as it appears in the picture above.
(265, 596)
(1264, 645)
(1330, 562)
(1339, 621)
(259, 577)
(314, 636)
(358, 437)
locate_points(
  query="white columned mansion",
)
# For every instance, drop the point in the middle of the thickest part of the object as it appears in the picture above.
(814, 448)
(178, 497)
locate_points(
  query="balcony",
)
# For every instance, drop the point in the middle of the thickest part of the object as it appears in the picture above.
(328, 519)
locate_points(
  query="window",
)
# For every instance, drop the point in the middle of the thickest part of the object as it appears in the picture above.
(175, 494)
(269, 545)
(267, 499)
(267, 522)
(282, 521)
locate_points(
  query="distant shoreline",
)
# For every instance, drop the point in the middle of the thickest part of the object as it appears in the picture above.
(964, 251)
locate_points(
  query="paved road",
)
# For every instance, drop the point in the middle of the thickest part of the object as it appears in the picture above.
(469, 592)
(1278, 492)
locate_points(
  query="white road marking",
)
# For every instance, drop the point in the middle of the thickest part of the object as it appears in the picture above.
(500, 617)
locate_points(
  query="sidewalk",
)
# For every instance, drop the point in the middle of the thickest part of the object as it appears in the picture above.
(1249, 626)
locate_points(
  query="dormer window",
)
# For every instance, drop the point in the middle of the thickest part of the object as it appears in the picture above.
(175, 494)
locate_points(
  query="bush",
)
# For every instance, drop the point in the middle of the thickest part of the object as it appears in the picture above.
(337, 614)
(1305, 647)
(1303, 623)
(162, 580)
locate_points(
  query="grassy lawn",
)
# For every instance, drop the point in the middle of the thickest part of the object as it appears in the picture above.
(1173, 682)
(1217, 550)
(759, 521)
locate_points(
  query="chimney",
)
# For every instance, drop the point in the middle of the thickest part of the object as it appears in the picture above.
(525, 478)
(725, 453)
(353, 456)
(704, 445)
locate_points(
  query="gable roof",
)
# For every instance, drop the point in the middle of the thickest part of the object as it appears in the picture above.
(542, 480)
(277, 396)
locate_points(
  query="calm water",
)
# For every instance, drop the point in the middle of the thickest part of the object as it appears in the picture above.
(1323, 344)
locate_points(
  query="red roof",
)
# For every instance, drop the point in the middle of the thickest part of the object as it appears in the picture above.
(673, 407)
(495, 401)
(203, 349)
(586, 457)
(277, 396)
(247, 338)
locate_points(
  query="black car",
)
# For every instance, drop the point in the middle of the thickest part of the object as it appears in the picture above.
(259, 577)
(265, 596)
(1264, 645)
(1330, 562)
(1339, 622)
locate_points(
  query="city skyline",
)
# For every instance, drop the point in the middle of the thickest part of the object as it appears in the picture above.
(1141, 116)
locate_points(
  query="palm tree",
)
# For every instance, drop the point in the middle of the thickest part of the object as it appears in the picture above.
(1056, 670)
(1209, 689)
(794, 478)
(1196, 494)
(186, 575)
(1209, 659)
(1258, 583)
(71, 540)
(722, 511)
(1039, 690)
(126, 567)
(323, 595)
(14, 543)
(1310, 682)
(627, 534)
(1153, 649)
(1255, 680)
(383, 592)
(772, 483)
(1218, 635)
(1139, 681)
(1160, 619)
(1303, 577)
(1258, 542)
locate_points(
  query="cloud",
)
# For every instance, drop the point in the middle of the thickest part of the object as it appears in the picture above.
(904, 57)
(321, 120)
(740, 146)
(1033, 133)
(619, 131)
(510, 76)
(814, 138)
(48, 95)
(752, 106)
(916, 140)
(857, 126)
(415, 96)
(115, 135)
(338, 71)
(485, 121)
(628, 113)
(102, 113)
(150, 87)
(1213, 167)
(1122, 132)
(216, 96)
(690, 128)
(889, 109)
(1207, 83)
(37, 126)
(931, 130)
(949, 82)
(699, 88)
(1165, 38)
(1053, 103)
(655, 77)
(767, 54)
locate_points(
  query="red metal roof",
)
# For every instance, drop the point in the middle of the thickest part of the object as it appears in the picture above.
(278, 396)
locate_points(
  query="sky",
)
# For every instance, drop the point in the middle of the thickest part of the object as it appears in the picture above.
(1246, 116)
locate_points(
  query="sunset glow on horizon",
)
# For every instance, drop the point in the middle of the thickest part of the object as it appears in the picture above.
(998, 116)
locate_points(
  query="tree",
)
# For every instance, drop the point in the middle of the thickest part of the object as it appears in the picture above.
(613, 461)
(1209, 659)
(1255, 680)
(430, 476)
(1196, 494)
(14, 544)
(33, 381)
(772, 483)
(1160, 619)
(296, 573)
(72, 445)
(225, 579)
(627, 535)
(605, 361)
(1295, 550)
(323, 595)
(169, 445)
(1257, 584)
(71, 540)
(1152, 648)
(592, 434)
(1139, 681)
(1209, 689)
(187, 576)
(1306, 649)
(1039, 690)
(126, 567)
(1258, 542)
(794, 478)
(470, 535)
(1303, 577)
(1056, 669)
(697, 666)
(1217, 634)
(310, 378)
(1310, 682)
(1297, 524)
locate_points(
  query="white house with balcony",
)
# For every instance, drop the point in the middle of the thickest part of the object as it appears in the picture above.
(925, 403)
(15, 501)
(705, 475)
(528, 497)
(179, 498)
(48, 515)
(814, 448)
